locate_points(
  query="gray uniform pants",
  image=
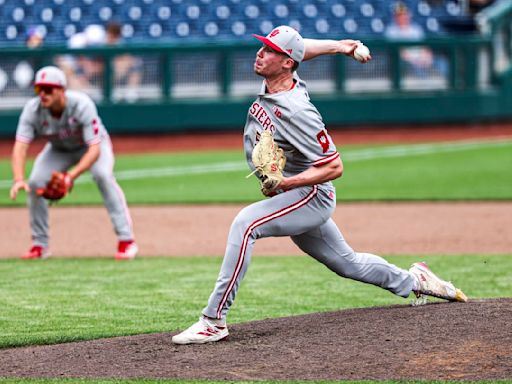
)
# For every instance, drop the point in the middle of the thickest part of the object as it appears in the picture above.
(51, 159)
(305, 215)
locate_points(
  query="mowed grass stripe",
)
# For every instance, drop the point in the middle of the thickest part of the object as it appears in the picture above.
(348, 155)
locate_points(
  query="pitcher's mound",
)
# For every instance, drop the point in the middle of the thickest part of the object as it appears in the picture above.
(438, 341)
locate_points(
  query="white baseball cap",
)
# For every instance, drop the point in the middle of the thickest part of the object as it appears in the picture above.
(50, 76)
(286, 40)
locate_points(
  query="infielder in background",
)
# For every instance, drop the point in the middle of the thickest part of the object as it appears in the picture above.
(301, 205)
(77, 142)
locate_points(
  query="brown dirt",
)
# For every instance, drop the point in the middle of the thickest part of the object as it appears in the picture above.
(441, 341)
(382, 228)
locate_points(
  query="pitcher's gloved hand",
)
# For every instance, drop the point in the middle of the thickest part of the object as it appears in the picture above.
(269, 162)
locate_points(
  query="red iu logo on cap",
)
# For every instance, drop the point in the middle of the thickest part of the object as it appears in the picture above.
(274, 33)
(43, 75)
(289, 51)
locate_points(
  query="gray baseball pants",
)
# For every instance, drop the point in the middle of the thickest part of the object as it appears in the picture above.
(304, 214)
(51, 159)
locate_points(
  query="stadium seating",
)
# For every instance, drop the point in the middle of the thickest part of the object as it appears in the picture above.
(171, 20)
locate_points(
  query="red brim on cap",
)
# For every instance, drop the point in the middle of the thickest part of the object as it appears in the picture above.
(54, 85)
(266, 41)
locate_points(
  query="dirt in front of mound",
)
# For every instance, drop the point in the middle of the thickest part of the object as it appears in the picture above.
(438, 341)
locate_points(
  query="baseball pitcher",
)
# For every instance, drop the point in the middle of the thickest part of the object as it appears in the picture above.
(282, 121)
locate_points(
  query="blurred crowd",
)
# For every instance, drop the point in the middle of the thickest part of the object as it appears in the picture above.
(85, 71)
(418, 61)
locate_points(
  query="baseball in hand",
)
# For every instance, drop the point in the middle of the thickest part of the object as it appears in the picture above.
(362, 53)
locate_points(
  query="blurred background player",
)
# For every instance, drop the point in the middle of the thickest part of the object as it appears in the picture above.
(77, 142)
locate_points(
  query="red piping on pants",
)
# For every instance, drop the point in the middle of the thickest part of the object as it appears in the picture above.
(245, 241)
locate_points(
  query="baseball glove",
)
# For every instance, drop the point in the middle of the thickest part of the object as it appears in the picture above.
(59, 186)
(269, 162)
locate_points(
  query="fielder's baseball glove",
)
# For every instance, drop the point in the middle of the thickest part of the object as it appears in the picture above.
(59, 186)
(269, 161)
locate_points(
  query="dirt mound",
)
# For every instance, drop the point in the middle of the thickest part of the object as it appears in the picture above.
(439, 341)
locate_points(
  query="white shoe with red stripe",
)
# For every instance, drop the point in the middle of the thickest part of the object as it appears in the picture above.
(204, 331)
(431, 285)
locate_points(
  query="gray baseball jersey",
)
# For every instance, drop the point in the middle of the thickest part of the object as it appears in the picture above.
(297, 128)
(68, 137)
(78, 127)
(302, 213)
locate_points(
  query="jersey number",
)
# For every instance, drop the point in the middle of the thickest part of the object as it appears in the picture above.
(323, 139)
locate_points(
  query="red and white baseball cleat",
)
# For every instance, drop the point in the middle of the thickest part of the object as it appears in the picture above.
(431, 285)
(204, 331)
(126, 250)
(36, 252)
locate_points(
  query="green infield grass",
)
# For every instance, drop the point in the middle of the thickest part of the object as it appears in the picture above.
(70, 299)
(439, 171)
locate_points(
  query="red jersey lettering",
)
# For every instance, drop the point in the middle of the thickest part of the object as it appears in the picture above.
(253, 108)
(268, 123)
(261, 116)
